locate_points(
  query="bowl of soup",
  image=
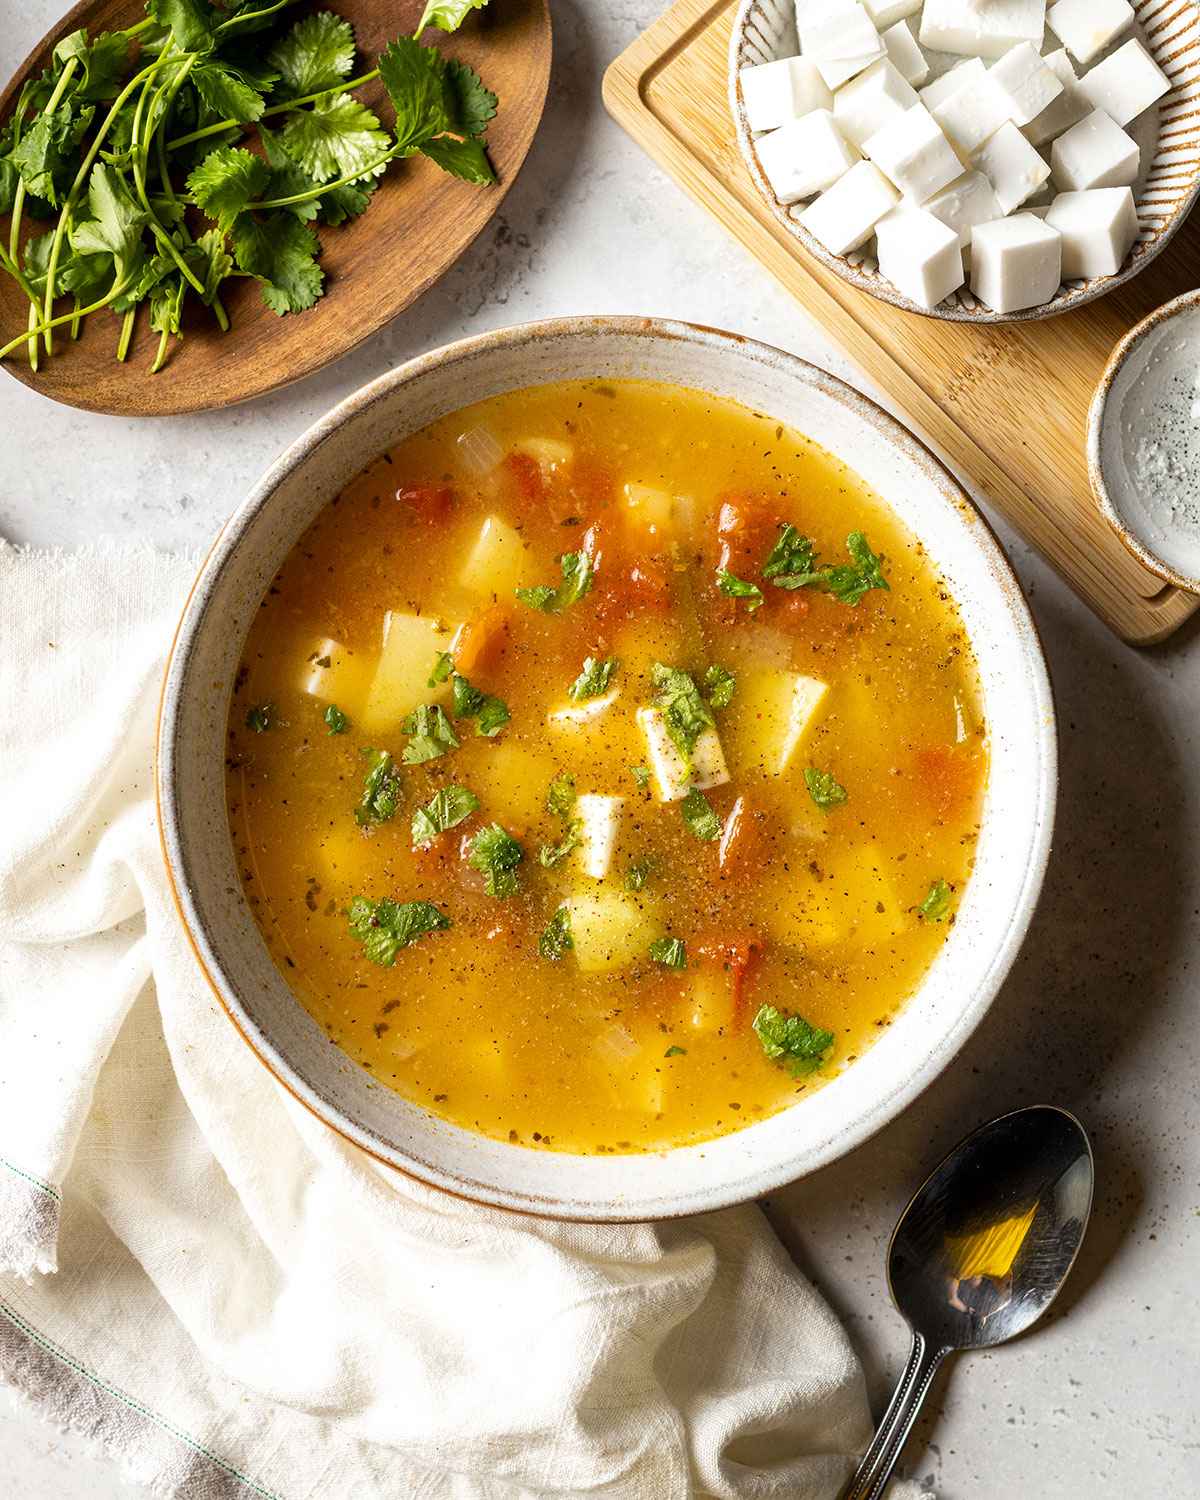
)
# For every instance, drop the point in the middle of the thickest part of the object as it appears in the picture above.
(606, 768)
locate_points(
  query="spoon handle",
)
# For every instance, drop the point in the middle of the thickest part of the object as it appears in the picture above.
(871, 1477)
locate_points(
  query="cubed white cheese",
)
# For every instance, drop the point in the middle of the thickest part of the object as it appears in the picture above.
(1095, 153)
(783, 90)
(869, 102)
(599, 823)
(964, 71)
(905, 54)
(887, 13)
(965, 203)
(1063, 112)
(972, 114)
(1098, 229)
(844, 217)
(842, 44)
(497, 562)
(1012, 166)
(981, 28)
(673, 776)
(575, 716)
(1086, 27)
(805, 156)
(1026, 84)
(919, 254)
(1126, 83)
(1015, 262)
(915, 154)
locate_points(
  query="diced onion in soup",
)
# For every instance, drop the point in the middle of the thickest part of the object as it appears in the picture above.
(478, 451)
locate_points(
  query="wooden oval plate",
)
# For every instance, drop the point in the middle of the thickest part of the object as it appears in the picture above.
(417, 226)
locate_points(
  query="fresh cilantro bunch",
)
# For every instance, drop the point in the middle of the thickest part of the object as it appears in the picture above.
(134, 148)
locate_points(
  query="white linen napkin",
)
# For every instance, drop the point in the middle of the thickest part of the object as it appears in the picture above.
(230, 1299)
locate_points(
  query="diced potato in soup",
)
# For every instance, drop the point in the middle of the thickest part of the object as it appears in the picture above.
(612, 790)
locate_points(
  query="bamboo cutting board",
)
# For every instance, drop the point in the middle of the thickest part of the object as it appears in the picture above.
(1007, 404)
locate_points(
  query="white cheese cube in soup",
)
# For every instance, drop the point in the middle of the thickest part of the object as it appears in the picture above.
(609, 930)
(1098, 229)
(411, 645)
(498, 562)
(844, 217)
(1015, 263)
(805, 156)
(905, 54)
(1086, 27)
(1026, 84)
(1126, 83)
(867, 103)
(981, 28)
(885, 13)
(1012, 166)
(336, 675)
(671, 771)
(589, 714)
(1064, 111)
(783, 90)
(972, 114)
(966, 202)
(776, 711)
(842, 44)
(599, 823)
(919, 254)
(1095, 153)
(915, 154)
(966, 70)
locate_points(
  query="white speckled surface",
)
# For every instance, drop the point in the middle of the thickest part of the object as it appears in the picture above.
(1100, 1013)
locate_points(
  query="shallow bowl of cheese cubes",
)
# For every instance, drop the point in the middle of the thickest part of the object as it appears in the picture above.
(977, 160)
(1012, 706)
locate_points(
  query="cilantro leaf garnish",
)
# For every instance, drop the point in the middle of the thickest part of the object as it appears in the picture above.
(577, 575)
(593, 679)
(384, 927)
(824, 788)
(466, 159)
(719, 684)
(282, 253)
(190, 22)
(638, 874)
(550, 855)
(791, 1041)
(675, 1052)
(442, 667)
(472, 106)
(497, 854)
(382, 789)
(936, 905)
(336, 137)
(560, 795)
(556, 939)
(447, 808)
(684, 711)
(447, 15)
(429, 732)
(414, 77)
(261, 717)
(670, 952)
(850, 581)
(791, 561)
(226, 93)
(336, 719)
(697, 813)
(739, 588)
(641, 774)
(226, 182)
(317, 53)
(490, 713)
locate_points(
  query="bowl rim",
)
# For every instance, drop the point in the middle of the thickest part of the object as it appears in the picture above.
(878, 286)
(755, 1183)
(1121, 350)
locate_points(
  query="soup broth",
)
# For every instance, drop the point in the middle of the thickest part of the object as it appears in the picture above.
(605, 767)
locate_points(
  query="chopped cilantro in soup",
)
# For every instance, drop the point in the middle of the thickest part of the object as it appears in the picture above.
(611, 790)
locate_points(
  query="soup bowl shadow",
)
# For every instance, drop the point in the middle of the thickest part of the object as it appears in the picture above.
(992, 916)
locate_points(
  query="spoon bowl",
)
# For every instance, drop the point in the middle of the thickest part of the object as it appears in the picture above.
(978, 1255)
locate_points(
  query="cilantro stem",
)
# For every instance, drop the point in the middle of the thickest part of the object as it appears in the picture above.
(48, 321)
(126, 334)
(325, 187)
(160, 357)
(76, 319)
(272, 109)
(111, 295)
(251, 15)
(31, 322)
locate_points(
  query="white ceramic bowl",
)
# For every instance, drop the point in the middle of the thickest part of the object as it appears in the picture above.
(996, 906)
(1165, 191)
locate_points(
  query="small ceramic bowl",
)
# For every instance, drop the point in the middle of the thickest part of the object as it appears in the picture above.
(1143, 441)
(1166, 189)
(996, 906)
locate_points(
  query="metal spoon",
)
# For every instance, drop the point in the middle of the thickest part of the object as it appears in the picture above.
(979, 1254)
